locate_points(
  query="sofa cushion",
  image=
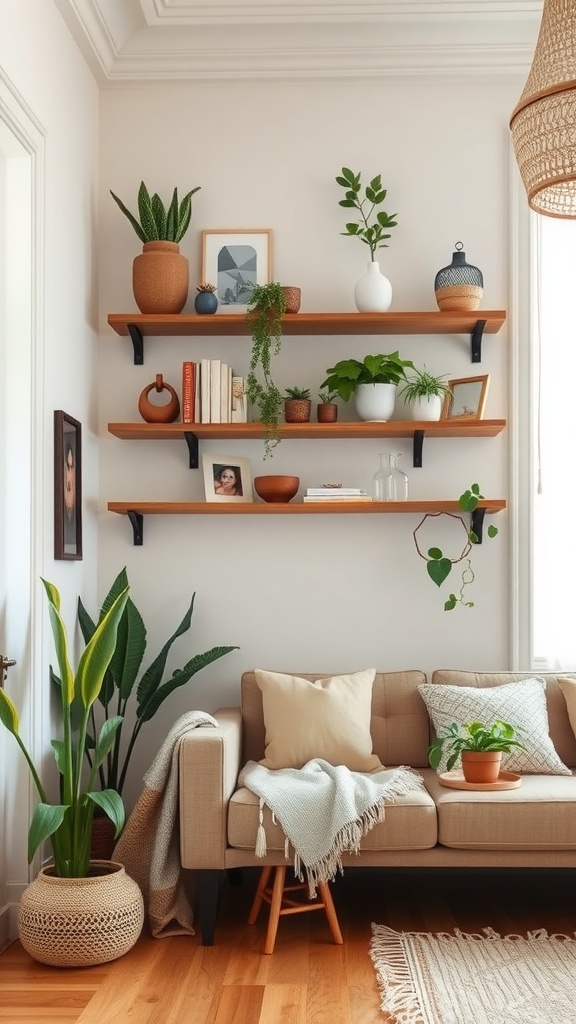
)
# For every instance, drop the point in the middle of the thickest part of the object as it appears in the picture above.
(521, 703)
(324, 718)
(410, 823)
(539, 815)
(568, 686)
(399, 721)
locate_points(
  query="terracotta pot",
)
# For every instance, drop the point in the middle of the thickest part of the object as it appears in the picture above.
(292, 297)
(78, 922)
(481, 766)
(327, 412)
(160, 278)
(276, 488)
(297, 410)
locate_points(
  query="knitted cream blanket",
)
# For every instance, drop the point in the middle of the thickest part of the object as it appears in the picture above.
(323, 810)
(149, 847)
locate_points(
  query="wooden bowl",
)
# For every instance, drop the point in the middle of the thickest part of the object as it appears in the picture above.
(276, 488)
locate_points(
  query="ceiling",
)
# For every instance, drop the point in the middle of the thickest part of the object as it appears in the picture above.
(128, 41)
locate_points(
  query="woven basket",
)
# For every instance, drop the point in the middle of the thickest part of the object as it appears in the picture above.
(297, 410)
(459, 297)
(79, 922)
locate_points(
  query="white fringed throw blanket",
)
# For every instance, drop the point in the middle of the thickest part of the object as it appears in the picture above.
(149, 847)
(323, 810)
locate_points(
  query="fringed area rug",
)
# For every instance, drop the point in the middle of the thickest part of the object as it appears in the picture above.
(464, 978)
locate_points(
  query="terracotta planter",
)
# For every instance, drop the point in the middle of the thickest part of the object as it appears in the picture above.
(160, 278)
(292, 297)
(481, 766)
(297, 410)
(79, 922)
(327, 412)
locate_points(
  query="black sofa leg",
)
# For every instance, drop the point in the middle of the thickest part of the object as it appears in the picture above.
(207, 890)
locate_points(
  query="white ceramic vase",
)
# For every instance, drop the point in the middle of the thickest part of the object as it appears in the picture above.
(375, 401)
(373, 292)
(427, 407)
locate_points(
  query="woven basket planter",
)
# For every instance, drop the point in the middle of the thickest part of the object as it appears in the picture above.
(79, 922)
(297, 410)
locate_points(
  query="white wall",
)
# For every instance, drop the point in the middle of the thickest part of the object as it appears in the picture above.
(307, 593)
(50, 86)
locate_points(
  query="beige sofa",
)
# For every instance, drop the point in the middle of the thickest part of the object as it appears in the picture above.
(532, 826)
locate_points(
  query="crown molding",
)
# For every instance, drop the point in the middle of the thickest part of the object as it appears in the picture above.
(172, 40)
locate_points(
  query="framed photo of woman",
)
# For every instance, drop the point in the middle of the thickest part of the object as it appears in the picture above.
(67, 486)
(227, 478)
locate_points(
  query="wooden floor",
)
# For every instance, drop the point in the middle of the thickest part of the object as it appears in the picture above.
(308, 979)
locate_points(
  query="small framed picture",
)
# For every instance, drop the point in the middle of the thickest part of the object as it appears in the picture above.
(227, 478)
(67, 486)
(467, 398)
(235, 259)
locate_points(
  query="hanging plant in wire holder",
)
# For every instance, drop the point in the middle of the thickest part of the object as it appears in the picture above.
(439, 565)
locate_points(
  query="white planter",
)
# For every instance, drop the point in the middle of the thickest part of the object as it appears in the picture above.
(426, 408)
(375, 401)
(373, 292)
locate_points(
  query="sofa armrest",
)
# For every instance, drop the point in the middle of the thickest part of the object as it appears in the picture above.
(209, 765)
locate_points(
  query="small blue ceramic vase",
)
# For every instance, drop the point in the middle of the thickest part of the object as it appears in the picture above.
(206, 302)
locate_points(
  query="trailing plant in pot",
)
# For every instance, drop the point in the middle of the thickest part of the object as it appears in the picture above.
(160, 274)
(266, 309)
(364, 379)
(439, 565)
(50, 930)
(485, 742)
(425, 393)
(373, 292)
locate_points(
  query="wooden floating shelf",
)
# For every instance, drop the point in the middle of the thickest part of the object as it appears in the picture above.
(308, 431)
(233, 324)
(217, 508)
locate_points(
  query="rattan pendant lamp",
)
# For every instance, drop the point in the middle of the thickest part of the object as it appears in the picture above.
(543, 123)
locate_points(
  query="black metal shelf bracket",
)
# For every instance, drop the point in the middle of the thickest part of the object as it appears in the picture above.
(138, 343)
(477, 523)
(476, 341)
(417, 449)
(192, 442)
(137, 520)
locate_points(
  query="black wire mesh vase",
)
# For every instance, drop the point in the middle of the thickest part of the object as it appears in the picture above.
(459, 286)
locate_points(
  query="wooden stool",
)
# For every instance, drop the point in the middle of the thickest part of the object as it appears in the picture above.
(281, 904)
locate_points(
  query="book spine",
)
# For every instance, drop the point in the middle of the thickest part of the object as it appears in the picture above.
(345, 498)
(215, 391)
(188, 376)
(205, 391)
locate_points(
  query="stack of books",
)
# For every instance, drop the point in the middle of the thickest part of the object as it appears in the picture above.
(336, 494)
(212, 393)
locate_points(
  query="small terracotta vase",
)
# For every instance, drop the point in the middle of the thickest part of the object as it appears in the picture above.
(297, 410)
(481, 766)
(276, 488)
(327, 412)
(293, 297)
(160, 278)
(159, 413)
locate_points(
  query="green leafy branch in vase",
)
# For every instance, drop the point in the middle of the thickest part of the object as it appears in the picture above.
(439, 566)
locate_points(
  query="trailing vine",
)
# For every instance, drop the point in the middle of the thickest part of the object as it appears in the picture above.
(266, 309)
(439, 566)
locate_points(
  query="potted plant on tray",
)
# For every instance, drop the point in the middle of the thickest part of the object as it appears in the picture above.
(425, 393)
(479, 746)
(266, 309)
(61, 921)
(373, 382)
(373, 292)
(160, 274)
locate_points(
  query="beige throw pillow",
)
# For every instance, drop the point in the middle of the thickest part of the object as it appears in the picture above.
(568, 687)
(522, 703)
(328, 718)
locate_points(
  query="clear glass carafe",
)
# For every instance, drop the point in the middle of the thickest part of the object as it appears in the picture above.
(390, 483)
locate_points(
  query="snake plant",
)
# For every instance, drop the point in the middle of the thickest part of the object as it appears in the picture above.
(158, 223)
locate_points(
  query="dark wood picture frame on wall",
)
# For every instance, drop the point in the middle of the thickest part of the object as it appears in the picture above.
(67, 486)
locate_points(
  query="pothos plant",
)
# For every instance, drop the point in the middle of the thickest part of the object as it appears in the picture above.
(439, 566)
(266, 308)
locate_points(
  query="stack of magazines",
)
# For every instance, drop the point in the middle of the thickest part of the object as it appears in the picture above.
(336, 494)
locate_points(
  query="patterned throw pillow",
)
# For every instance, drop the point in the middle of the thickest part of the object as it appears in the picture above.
(327, 718)
(521, 703)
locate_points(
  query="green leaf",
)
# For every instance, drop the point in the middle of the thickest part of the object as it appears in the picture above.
(159, 214)
(8, 714)
(172, 218)
(492, 531)
(438, 570)
(146, 214)
(61, 644)
(106, 739)
(450, 604)
(148, 709)
(435, 553)
(111, 803)
(47, 818)
(135, 224)
(98, 652)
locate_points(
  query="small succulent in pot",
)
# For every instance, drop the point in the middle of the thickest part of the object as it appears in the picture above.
(297, 405)
(206, 300)
(326, 410)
